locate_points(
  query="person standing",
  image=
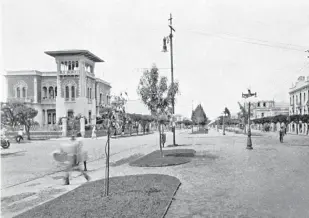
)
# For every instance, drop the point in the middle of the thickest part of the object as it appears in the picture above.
(94, 133)
(281, 134)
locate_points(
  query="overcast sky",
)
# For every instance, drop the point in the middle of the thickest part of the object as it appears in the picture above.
(220, 47)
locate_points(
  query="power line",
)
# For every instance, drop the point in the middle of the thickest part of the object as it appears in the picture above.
(252, 41)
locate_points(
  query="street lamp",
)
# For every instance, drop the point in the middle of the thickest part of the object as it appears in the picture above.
(169, 39)
(248, 95)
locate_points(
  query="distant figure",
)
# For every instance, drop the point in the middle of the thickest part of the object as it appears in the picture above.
(281, 134)
(94, 133)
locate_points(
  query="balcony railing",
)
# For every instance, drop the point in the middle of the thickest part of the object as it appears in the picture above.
(23, 100)
(46, 100)
(69, 72)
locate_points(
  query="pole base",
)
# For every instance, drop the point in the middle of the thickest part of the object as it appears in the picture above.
(249, 143)
(249, 148)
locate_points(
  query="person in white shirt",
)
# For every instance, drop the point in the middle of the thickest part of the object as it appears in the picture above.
(72, 154)
(94, 133)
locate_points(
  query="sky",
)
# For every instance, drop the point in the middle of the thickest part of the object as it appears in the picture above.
(221, 47)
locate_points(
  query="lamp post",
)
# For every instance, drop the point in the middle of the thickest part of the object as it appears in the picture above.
(248, 95)
(169, 40)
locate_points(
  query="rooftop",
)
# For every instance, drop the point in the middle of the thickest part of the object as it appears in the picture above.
(74, 52)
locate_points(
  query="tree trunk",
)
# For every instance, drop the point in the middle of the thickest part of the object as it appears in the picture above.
(27, 128)
(161, 152)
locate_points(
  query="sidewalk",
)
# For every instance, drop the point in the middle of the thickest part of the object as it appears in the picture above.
(22, 197)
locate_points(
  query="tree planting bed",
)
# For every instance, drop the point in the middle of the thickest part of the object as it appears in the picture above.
(170, 158)
(147, 195)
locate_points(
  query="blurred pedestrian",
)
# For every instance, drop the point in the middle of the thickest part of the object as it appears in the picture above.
(281, 134)
(94, 132)
(71, 155)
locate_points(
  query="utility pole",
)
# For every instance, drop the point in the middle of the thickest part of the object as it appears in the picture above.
(172, 74)
(249, 142)
(169, 40)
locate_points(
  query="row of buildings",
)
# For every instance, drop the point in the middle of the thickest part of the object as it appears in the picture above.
(298, 105)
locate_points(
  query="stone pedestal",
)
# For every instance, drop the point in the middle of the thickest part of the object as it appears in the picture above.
(82, 126)
(64, 126)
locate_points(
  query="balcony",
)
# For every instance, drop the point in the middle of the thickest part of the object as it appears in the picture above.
(22, 100)
(69, 72)
(46, 100)
(70, 99)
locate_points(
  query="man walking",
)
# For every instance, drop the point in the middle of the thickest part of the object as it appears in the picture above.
(72, 154)
(281, 134)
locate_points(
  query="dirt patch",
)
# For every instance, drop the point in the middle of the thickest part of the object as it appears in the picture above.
(130, 196)
(170, 158)
(126, 160)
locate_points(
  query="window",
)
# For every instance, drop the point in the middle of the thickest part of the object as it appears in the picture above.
(258, 104)
(304, 96)
(300, 98)
(18, 92)
(262, 115)
(100, 98)
(54, 118)
(89, 116)
(67, 93)
(70, 113)
(264, 104)
(73, 92)
(49, 118)
(44, 92)
(55, 91)
(90, 93)
(24, 92)
(51, 92)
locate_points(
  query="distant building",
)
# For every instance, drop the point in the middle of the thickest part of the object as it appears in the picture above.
(72, 89)
(299, 103)
(268, 108)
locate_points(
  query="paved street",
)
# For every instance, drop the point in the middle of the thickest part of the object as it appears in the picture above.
(223, 180)
(35, 158)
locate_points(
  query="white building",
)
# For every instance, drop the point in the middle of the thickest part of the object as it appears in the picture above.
(299, 103)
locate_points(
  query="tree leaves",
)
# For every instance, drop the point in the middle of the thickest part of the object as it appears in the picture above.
(155, 92)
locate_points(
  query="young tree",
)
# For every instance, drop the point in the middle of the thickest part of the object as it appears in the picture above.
(156, 94)
(112, 115)
(199, 116)
(14, 113)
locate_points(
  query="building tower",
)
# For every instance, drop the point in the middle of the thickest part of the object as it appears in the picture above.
(76, 83)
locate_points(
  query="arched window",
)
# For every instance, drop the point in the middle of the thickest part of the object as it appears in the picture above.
(18, 92)
(51, 92)
(73, 92)
(24, 92)
(100, 98)
(67, 93)
(44, 92)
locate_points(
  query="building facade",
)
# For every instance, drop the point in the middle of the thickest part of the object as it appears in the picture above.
(70, 90)
(299, 103)
(268, 108)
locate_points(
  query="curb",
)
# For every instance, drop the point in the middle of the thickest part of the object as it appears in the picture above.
(169, 205)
